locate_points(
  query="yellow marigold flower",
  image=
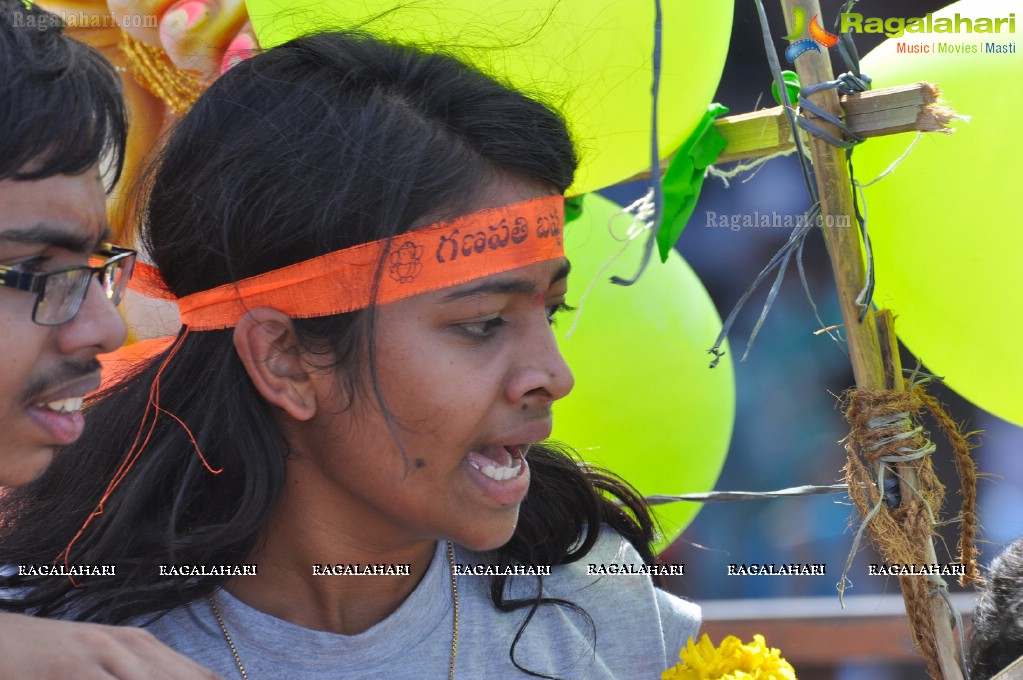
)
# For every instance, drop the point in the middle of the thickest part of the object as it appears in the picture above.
(732, 660)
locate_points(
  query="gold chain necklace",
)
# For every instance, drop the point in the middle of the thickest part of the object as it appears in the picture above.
(454, 629)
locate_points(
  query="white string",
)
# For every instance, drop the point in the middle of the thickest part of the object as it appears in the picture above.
(756, 165)
(642, 211)
(891, 168)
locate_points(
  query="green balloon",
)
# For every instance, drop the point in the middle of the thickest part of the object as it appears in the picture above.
(591, 59)
(645, 403)
(946, 240)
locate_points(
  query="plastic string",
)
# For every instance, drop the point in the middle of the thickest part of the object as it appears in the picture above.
(783, 93)
(941, 588)
(655, 155)
(779, 261)
(726, 496)
(847, 83)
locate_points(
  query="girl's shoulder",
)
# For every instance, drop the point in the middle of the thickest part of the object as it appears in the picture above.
(636, 624)
(613, 576)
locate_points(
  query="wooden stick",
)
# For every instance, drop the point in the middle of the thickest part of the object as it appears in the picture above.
(847, 261)
(905, 108)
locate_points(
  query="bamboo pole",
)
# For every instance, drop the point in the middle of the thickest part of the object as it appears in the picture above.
(847, 260)
(843, 243)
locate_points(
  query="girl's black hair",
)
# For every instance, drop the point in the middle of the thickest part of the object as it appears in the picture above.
(61, 105)
(328, 141)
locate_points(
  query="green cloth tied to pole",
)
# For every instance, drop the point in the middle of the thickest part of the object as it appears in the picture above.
(684, 178)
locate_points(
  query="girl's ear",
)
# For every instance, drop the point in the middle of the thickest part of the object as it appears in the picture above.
(268, 346)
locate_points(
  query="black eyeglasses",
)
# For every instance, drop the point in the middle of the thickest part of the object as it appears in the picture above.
(60, 293)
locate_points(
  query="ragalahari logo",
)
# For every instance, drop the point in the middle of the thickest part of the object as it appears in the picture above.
(818, 36)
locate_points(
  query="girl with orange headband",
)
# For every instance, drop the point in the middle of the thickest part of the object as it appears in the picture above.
(338, 467)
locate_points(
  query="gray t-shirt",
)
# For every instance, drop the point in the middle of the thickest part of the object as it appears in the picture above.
(639, 629)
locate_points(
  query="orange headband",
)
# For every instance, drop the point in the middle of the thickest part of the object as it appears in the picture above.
(439, 256)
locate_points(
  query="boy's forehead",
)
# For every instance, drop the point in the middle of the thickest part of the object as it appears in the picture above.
(63, 211)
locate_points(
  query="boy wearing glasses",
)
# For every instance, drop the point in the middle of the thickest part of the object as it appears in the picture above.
(62, 136)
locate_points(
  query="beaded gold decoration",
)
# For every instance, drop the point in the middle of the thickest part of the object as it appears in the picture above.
(154, 70)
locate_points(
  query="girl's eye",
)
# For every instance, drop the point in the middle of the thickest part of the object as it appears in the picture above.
(481, 330)
(554, 310)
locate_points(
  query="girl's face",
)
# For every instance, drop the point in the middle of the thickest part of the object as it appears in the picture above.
(469, 374)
